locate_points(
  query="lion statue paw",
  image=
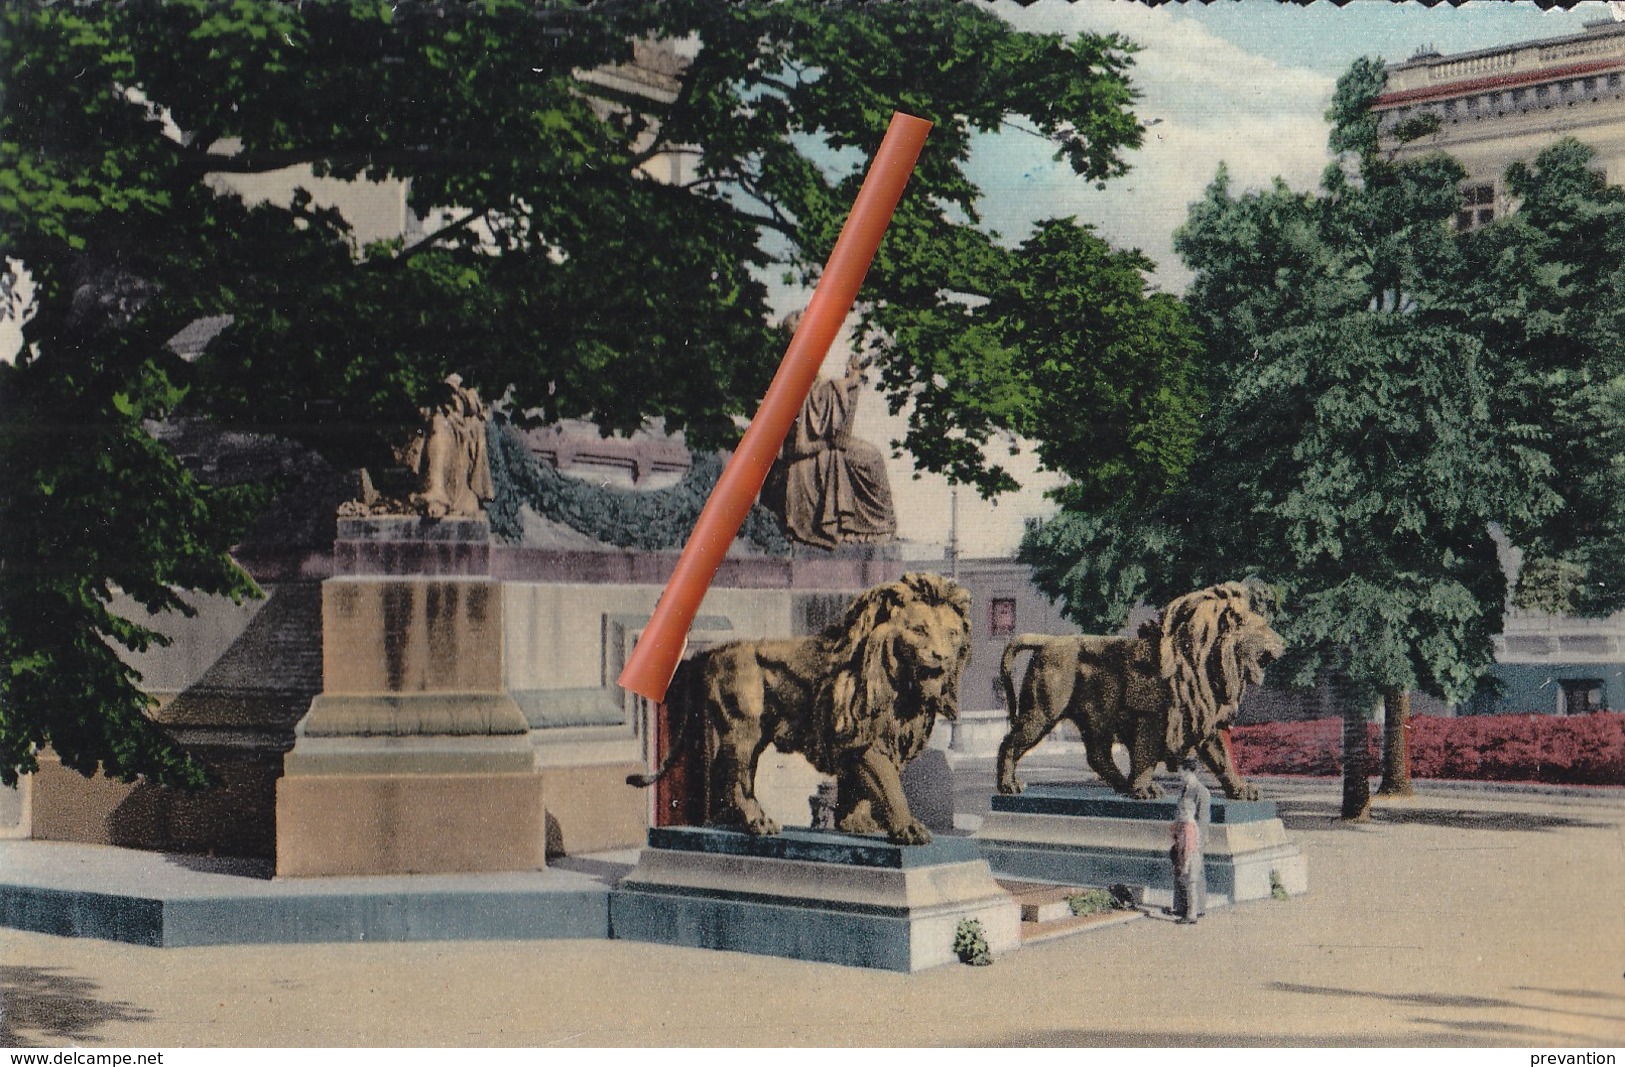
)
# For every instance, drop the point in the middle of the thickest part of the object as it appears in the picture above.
(1152, 791)
(761, 826)
(860, 823)
(912, 832)
(1246, 791)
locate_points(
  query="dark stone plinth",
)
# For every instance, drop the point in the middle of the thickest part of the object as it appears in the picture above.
(816, 846)
(820, 895)
(1063, 799)
(408, 545)
(1087, 835)
(147, 898)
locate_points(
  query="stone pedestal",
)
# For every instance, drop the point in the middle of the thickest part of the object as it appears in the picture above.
(1085, 835)
(813, 895)
(414, 758)
(590, 808)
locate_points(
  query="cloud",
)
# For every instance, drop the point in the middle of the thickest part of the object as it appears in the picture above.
(1204, 101)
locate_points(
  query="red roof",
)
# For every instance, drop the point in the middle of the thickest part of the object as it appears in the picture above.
(1493, 83)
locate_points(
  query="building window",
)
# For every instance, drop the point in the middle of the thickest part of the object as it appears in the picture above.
(1001, 616)
(1613, 81)
(1582, 696)
(1590, 85)
(1518, 95)
(1477, 206)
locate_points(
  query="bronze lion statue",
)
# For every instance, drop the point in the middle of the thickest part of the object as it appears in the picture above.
(1162, 694)
(857, 700)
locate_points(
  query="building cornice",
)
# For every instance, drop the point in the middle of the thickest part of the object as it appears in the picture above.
(1599, 35)
(1495, 83)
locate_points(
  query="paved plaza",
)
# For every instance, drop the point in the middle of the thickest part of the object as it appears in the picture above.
(1460, 917)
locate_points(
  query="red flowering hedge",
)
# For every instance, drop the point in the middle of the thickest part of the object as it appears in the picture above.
(1560, 749)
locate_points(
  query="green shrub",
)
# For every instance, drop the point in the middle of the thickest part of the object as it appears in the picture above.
(970, 944)
(1559, 749)
(1091, 902)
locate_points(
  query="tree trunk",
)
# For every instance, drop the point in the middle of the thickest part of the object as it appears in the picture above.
(1396, 744)
(1356, 788)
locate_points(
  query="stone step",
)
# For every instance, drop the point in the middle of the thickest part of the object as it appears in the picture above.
(1041, 902)
(1045, 912)
(1031, 932)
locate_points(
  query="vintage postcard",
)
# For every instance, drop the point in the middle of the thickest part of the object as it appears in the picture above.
(776, 524)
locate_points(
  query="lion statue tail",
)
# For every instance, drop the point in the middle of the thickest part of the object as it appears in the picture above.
(682, 708)
(1007, 663)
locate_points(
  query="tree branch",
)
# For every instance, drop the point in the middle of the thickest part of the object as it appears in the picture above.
(203, 162)
(429, 239)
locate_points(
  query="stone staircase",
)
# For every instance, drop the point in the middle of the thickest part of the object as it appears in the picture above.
(1046, 913)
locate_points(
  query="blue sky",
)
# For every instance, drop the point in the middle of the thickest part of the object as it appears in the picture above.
(1242, 81)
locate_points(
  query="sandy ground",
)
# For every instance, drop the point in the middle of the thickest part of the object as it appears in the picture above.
(1450, 919)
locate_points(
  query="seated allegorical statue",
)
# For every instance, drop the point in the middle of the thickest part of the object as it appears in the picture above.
(454, 468)
(829, 488)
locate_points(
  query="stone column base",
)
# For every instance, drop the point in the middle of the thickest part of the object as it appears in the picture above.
(419, 805)
(590, 806)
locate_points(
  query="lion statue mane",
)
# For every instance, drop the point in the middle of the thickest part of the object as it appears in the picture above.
(857, 700)
(1162, 694)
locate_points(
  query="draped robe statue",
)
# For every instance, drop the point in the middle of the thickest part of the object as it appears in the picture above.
(830, 488)
(454, 469)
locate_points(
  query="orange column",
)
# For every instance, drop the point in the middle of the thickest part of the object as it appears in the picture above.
(649, 669)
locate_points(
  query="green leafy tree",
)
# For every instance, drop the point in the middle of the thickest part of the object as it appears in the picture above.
(1375, 411)
(565, 264)
(1543, 288)
(1067, 347)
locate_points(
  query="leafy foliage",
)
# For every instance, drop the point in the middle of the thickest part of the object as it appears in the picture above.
(98, 506)
(1544, 288)
(560, 257)
(1095, 901)
(970, 943)
(1104, 373)
(1558, 749)
(1384, 391)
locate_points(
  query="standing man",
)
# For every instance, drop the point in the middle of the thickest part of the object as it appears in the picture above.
(1189, 832)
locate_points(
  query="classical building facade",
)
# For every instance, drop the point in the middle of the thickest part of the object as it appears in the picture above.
(1488, 109)
(1493, 107)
